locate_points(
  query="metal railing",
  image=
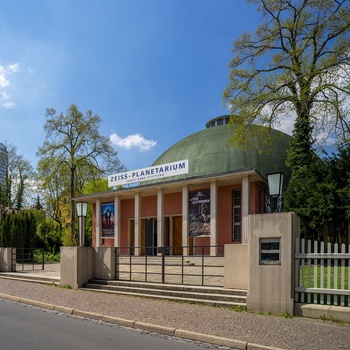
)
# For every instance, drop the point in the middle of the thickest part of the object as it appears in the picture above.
(27, 259)
(198, 268)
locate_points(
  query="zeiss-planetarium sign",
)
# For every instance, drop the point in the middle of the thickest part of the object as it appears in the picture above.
(151, 173)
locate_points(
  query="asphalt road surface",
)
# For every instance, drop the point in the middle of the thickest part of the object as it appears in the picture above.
(29, 328)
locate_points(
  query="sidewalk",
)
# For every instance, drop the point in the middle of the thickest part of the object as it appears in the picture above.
(222, 326)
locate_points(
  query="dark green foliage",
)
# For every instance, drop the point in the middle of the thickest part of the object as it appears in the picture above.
(17, 229)
(49, 236)
(29, 229)
(320, 194)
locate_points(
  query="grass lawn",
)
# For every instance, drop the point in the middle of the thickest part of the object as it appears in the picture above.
(329, 274)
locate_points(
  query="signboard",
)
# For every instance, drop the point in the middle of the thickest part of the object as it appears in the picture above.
(199, 213)
(270, 251)
(151, 173)
(107, 219)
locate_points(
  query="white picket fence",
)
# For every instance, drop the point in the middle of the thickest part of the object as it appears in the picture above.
(322, 273)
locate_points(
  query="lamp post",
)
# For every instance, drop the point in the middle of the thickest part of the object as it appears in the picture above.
(81, 211)
(275, 184)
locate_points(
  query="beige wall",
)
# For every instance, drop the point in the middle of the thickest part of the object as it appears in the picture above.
(271, 287)
(6, 259)
(80, 264)
(236, 266)
(104, 264)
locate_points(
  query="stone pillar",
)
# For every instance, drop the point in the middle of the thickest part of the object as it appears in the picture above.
(271, 261)
(137, 224)
(185, 223)
(6, 261)
(213, 218)
(76, 266)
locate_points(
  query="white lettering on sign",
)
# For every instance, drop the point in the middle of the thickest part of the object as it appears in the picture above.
(154, 172)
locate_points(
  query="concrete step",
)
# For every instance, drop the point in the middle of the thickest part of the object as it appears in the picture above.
(193, 294)
(31, 278)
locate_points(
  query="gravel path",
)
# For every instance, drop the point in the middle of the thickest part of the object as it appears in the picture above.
(286, 333)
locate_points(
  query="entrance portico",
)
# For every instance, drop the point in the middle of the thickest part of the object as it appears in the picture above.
(158, 215)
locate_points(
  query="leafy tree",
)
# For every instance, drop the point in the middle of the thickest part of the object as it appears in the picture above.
(18, 186)
(339, 176)
(38, 205)
(17, 229)
(295, 65)
(75, 151)
(49, 236)
(54, 190)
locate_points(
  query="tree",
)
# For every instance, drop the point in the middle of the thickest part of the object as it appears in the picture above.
(296, 64)
(54, 189)
(18, 185)
(339, 170)
(75, 151)
(17, 229)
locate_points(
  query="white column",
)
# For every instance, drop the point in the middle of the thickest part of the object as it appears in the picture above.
(245, 208)
(185, 223)
(116, 221)
(98, 223)
(160, 218)
(137, 223)
(213, 218)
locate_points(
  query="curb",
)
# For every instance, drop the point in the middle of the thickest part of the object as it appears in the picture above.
(205, 338)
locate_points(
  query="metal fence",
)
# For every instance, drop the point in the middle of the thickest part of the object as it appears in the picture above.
(322, 273)
(199, 268)
(27, 259)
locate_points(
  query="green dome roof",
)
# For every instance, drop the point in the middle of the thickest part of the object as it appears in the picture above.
(210, 153)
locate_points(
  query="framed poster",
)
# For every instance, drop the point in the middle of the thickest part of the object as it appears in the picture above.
(107, 219)
(199, 207)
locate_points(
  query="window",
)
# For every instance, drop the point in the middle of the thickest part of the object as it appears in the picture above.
(236, 215)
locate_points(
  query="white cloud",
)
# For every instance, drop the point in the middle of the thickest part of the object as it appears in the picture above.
(132, 141)
(13, 67)
(3, 81)
(5, 98)
(9, 105)
(6, 101)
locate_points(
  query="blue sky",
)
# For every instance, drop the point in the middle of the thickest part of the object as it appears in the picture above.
(154, 70)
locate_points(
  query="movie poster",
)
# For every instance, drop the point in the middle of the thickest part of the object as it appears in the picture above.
(199, 213)
(107, 213)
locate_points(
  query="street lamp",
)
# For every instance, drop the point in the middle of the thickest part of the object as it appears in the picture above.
(275, 185)
(81, 211)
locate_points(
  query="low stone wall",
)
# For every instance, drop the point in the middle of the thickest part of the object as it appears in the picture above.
(236, 268)
(326, 312)
(6, 259)
(80, 264)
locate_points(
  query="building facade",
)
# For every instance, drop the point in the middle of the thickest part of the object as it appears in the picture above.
(195, 198)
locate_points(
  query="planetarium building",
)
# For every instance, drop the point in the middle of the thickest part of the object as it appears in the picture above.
(197, 194)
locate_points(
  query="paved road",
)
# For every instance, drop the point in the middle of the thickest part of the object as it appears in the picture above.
(270, 331)
(25, 327)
